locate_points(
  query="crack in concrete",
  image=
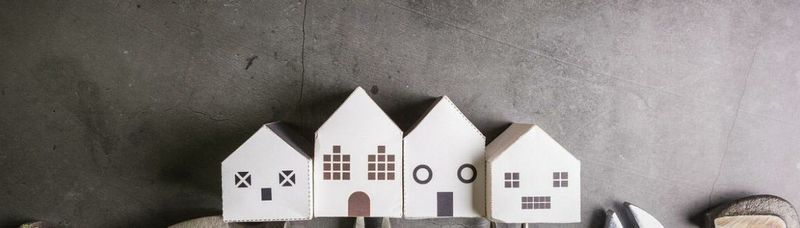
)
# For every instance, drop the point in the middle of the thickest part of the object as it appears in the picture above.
(733, 124)
(302, 57)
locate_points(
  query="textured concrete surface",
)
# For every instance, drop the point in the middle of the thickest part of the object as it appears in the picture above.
(117, 114)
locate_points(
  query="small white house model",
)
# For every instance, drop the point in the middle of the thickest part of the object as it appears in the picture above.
(531, 178)
(268, 178)
(444, 165)
(358, 162)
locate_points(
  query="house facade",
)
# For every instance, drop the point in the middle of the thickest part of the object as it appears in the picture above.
(444, 165)
(358, 162)
(531, 178)
(268, 178)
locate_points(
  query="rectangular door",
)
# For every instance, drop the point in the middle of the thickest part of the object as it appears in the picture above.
(444, 204)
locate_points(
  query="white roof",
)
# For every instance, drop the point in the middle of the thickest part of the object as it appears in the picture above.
(302, 146)
(362, 109)
(512, 135)
(444, 107)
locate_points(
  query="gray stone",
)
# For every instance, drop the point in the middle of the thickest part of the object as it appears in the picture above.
(758, 205)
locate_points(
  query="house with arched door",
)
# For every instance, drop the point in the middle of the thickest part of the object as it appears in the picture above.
(444, 165)
(358, 160)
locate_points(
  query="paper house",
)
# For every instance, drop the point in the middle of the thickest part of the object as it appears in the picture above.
(358, 162)
(444, 165)
(532, 179)
(268, 178)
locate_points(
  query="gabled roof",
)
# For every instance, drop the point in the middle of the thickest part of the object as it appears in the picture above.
(286, 134)
(506, 139)
(292, 137)
(444, 104)
(359, 97)
(513, 133)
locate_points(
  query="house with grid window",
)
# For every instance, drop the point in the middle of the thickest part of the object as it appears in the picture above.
(358, 156)
(531, 178)
(444, 165)
(268, 178)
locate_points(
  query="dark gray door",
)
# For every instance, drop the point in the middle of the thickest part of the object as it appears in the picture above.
(444, 204)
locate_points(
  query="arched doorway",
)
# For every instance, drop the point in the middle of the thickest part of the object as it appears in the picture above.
(358, 205)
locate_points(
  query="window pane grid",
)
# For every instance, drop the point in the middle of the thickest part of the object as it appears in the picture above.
(560, 179)
(381, 166)
(511, 180)
(336, 166)
(535, 202)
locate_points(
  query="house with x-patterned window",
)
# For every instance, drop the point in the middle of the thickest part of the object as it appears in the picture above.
(531, 178)
(268, 178)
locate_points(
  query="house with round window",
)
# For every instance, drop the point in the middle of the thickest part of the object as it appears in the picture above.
(268, 178)
(444, 165)
(532, 178)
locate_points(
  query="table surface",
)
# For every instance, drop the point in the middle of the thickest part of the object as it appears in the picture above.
(118, 113)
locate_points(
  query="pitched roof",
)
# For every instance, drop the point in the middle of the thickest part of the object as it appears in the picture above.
(447, 103)
(291, 137)
(360, 96)
(506, 139)
(512, 134)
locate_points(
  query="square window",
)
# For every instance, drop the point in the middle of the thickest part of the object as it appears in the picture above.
(326, 166)
(337, 176)
(286, 178)
(326, 175)
(560, 179)
(508, 176)
(508, 184)
(381, 176)
(326, 157)
(390, 167)
(371, 157)
(381, 157)
(336, 158)
(390, 176)
(242, 179)
(337, 167)
(390, 157)
(266, 194)
(346, 157)
(337, 149)
(371, 167)
(515, 176)
(346, 176)
(515, 184)
(381, 167)
(346, 167)
(381, 149)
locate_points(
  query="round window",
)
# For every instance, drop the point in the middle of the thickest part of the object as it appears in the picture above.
(423, 174)
(467, 170)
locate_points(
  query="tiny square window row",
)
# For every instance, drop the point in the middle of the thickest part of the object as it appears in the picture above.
(535, 202)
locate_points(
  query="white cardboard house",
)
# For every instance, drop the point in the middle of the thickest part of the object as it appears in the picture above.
(268, 178)
(531, 178)
(358, 156)
(444, 165)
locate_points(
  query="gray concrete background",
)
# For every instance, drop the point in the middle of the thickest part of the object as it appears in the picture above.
(117, 114)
